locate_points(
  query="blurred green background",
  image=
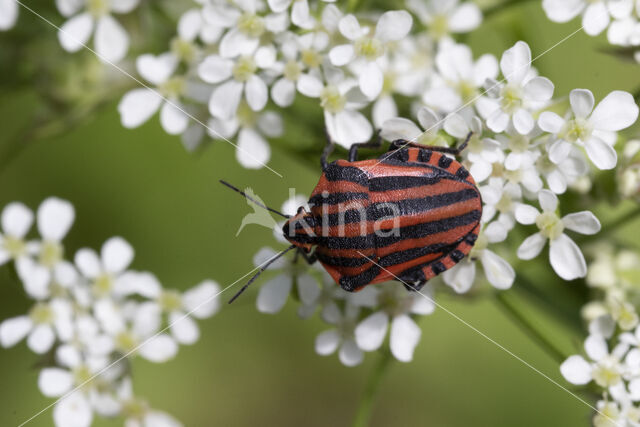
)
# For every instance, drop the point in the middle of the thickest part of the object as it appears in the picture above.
(254, 369)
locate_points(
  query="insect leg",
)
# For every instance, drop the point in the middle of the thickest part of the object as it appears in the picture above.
(376, 142)
(309, 258)
(400, 143)
(328, 149)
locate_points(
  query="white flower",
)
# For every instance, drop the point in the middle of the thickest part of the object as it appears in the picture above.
(342, 337)
(498, 271)
(198, 302)
(137, 411)
(459, 78)
(519, 96)
(595, 16)
(367, 48)
(300, 15)
(107, 273)
(565, 173)
(500, 197)
(138, 105)
(8, 14)
(340, 99)
(252, 149)
(237, 79)
(481, 152)
(395, 303)
(606, 369)
(247, 26)
(565, 256)
(274, 293)
(401, 128)
(73, 411)
(593, 128)
(41, 326)
(444, 17)
(111, 40)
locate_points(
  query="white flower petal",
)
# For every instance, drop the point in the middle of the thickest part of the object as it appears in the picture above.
(371, 331)
(253, 151)
(526, 214)
(595, 18)
(158, 349)
(73, 411)
(559, 151)
(54, 382)
(215, 69)
(498, 271)
(300, 15)
(111, 40)
(310, 86)
(137, 106)
(566, 258)
(55, 217)
(88, 262)
(465, 18)
(393, 25)
(308, 288)
(123, 6)
(66, 8)
(173, 118)
(455, 125)
(225, 99)
(602, 155)
(156, 69)
(116, 254)
(8, 14)
(404, 337)
(75, 33)
(13, 330)
(550, 122)
(532, 246)
(256, 93)
(583, 222)
(350, 354)
(400, 128)
(235, 43)
(348, 127)
(539, 89)
(202, 300)
(371, 80)
(273, 294)
(383, 109)
(615, 112)
(283, 92)
(41, 339)
(341, 55)
(349, 27)
(523, 121)
(327, 342)
(576, 370)
(582, 102)
(16, 219)
(190, 24)
(548, 201)
(461, 277)
(516, 62)
(183, 328)
(596, 347)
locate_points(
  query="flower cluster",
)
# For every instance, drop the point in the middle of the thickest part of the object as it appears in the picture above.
(621, 18)
(92, 315)
(612, 350)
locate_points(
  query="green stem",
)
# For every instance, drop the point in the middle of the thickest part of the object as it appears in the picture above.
(523, 322)
(502, 6)
(363, 413)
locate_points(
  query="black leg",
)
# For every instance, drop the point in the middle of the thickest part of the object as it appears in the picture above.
(328, 149)
(376, 142)
(399, 143)
(309, 258)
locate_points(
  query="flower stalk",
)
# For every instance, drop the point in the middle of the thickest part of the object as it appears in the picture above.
(365, 407)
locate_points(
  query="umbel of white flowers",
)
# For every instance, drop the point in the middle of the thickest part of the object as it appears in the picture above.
(93, 314)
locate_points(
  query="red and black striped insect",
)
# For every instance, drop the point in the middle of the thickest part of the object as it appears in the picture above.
(409, 215)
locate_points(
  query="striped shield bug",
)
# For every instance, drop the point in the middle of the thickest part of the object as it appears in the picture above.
(409, 215)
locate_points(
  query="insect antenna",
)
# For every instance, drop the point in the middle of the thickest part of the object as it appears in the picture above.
(253, 200)
(260, 271)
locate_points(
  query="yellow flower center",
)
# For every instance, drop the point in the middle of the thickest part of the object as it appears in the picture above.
(41, 314)
(576, 129)
(252, 25)
(292, 70)
(16, 247)
(369, 48)
(511, 98)
(550, 225)
(135, 408)
(244, 68)
(439, 27)
(311, 58)
(103, 285)
(81, 375)
(518, 143)
(98, 8)
(170, 301)
(126, 342)
(332, 100)
(183, 49)
(394, 302)
(173, 88)
(467, 90)
(606, 372)
(51, 253)
(246, 116)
